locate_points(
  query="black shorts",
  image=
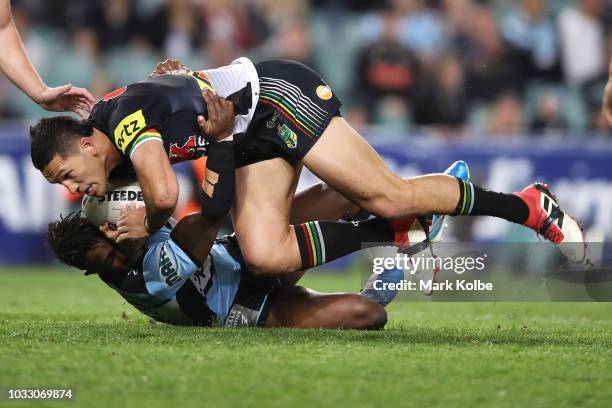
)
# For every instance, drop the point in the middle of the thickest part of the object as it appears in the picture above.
(255, 295)
(295, 106)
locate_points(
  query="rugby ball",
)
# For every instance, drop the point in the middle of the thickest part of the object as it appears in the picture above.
(107, 208)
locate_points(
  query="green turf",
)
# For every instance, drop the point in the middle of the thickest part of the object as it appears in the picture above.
(60, 329)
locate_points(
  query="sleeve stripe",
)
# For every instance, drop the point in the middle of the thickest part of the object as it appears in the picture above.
(141, 140)
(149, 133)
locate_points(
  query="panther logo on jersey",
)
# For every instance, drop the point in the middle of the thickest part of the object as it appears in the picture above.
(194, 147)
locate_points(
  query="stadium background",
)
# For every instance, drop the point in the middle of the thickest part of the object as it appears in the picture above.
(514, 88)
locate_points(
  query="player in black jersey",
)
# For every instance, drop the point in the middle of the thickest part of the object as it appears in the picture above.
(286, 117)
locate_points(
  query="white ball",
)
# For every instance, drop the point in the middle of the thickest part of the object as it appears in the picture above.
(107, 208)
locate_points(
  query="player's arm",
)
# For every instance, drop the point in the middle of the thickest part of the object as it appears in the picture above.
(16, 65)
(159, 188)
(218, 185)
(195, 235)
(158, 181)
(607, 98)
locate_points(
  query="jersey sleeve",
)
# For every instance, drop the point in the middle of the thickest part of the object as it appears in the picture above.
(166, 267)
(132, 124)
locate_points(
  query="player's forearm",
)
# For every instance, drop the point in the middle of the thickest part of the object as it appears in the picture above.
(219, 182)
(160, 196)
(607, 97)
(160, 204)
(15, 64)
(195, 235)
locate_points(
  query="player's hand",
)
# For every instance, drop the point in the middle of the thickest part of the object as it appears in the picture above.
(607, 102)
(66, 98)
(607, 98)
(170, 66)
(110, 233)
(221, 113)
(131, 225)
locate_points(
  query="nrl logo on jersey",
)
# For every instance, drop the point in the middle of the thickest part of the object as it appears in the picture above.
(288, 136)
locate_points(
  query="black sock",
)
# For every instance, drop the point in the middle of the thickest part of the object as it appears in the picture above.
(322, 242)
(474, 200)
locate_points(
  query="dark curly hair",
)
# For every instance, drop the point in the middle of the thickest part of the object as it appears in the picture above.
(72, 237)
(51, 136)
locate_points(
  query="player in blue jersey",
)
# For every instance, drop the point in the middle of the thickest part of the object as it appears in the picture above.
(184, 276)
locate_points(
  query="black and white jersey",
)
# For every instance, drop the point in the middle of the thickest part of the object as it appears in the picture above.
(164, 109)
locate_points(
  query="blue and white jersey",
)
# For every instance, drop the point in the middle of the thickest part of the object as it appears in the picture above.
(170, 287)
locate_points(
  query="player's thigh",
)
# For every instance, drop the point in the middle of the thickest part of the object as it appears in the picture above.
(264, 192)
(344, 160)
(299, 307)
(322, 203)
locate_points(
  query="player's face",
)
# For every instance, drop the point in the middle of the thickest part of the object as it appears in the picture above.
(80, 172)
(107, 258)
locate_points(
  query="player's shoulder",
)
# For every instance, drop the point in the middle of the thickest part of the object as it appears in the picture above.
(129, 115)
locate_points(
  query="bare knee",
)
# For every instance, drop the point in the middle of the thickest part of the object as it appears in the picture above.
(365, 314)
(263, 260)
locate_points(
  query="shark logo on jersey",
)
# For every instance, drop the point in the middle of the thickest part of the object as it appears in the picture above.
(167, 267)
(236, 319)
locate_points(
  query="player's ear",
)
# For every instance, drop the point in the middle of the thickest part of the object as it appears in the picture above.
(86, 145)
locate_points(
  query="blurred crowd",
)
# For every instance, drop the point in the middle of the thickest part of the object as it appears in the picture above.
(451, 67)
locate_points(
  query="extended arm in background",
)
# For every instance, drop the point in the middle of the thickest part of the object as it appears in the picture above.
(15, 64)
(607, 98)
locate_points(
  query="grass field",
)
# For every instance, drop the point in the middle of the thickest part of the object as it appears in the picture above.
(58, 329)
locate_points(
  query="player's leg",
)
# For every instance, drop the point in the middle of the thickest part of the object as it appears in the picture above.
(270, 245)
(345, 161)
(323, 203)
(299, 307)
(262, 203)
